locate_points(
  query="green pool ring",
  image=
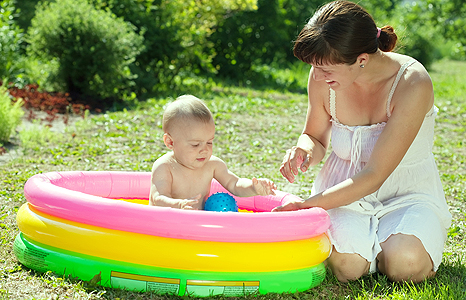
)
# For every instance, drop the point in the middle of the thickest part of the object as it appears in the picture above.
(117, 274)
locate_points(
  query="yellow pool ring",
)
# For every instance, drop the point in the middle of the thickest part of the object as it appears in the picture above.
(170, 252)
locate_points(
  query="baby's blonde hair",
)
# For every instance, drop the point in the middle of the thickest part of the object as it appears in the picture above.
(185, 107)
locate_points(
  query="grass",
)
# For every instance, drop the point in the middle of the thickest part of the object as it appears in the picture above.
(254, 128)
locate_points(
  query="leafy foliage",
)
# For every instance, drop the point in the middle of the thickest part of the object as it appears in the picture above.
(10, 115)
(175, 37)
(187, 45)
(248, 42)
(448, 17)
(418, 37)
(245, 39)
(10, 40)
(26, 13)
(93, 49)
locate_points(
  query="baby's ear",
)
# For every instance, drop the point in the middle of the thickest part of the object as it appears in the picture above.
(167, 139)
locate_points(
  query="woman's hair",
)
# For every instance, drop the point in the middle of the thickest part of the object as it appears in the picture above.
(186, 107)
(339, 32)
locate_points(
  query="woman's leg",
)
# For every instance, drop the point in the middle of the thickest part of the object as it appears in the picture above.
(347, 266)
(354, 238)
(404, 258)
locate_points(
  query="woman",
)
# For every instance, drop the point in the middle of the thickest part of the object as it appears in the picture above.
(380, 184)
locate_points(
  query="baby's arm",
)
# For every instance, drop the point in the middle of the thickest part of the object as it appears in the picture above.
(161, 200)
(161, 189)
(241, 187)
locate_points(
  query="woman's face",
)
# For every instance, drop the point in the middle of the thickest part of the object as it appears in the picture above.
(336, 76)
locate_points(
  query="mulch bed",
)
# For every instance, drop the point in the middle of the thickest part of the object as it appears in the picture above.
(56, 105)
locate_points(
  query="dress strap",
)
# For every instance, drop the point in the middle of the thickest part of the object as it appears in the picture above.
(395, 83)
(333, 105)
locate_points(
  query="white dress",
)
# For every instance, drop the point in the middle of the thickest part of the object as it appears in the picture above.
(411, 201)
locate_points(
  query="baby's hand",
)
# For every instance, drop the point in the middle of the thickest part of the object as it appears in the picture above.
(263, 186)
(189, 203)
(289, 206)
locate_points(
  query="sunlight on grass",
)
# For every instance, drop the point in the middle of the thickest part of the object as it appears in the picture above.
(35, 136)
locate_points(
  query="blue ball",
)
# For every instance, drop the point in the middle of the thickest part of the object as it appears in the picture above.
(221, 202)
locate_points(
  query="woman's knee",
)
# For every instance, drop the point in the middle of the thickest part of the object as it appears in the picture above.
(347, 267)
(404, 258)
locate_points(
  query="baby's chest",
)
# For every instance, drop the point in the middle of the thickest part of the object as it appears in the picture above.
(187, 186)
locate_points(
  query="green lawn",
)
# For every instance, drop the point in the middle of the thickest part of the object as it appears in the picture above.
(254, 128)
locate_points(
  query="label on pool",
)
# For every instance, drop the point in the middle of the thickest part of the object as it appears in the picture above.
(217, 287)
(148, 283)
(31, 257)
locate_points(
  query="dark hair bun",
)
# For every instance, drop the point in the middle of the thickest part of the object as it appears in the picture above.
(387, 39)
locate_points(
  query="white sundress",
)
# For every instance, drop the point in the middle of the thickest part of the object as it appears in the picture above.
(411, 201)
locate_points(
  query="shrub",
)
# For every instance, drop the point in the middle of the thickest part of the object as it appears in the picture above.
(93, 49)
(176, 42)
(10, 39)
(419, 47)
(10, 115)
(419, 37)
(247, 39)
(27, 10)
(448, 17)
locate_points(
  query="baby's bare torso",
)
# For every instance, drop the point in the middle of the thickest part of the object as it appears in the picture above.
(189, 184)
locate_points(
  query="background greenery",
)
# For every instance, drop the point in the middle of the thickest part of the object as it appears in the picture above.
(10, 115)
(93, 50)
(158, 48)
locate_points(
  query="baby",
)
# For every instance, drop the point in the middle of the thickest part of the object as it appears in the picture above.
(182, 177)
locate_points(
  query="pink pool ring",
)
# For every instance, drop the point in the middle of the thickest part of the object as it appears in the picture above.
(89, 197)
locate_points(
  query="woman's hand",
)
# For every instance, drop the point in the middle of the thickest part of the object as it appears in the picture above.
(295, 158)
(289, 206)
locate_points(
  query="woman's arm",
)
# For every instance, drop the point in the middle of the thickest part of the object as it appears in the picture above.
(412, 100)
(315, 138)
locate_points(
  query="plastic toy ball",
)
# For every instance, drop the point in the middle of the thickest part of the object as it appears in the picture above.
(221, 202)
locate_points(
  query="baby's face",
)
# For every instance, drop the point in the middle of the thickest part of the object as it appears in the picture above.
(193, 143)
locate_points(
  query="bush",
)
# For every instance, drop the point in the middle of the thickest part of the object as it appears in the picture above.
(10, 39)
(10, 115)
(419, 37)
(176, 42)
(245, 40)
(27, 10)
(420, 47)
(93, 49)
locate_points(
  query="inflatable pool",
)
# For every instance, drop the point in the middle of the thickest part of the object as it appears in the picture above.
(97, 226)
